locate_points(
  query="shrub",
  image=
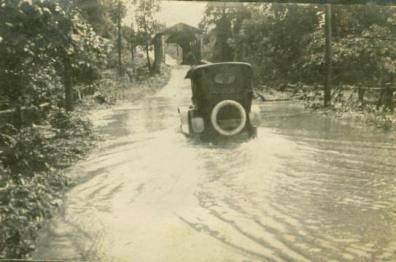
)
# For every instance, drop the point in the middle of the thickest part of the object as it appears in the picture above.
(24, 204)
(68, 125)
(31, 185)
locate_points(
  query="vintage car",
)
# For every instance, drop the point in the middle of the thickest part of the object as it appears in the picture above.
(221, 102)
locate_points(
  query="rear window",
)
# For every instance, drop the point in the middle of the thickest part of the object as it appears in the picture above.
(224, 78)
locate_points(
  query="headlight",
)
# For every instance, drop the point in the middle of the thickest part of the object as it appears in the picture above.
(197, 124)
(254, 115)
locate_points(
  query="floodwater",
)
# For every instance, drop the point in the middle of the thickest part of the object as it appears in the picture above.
(307, 189)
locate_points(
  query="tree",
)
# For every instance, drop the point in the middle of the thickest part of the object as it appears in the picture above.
(106, 16)
(120, 14)
(223, 21)
(41, 42)
(117, 12)
(286, 43)
(76, 46)
(274, 37)
(146, 25)
(363, 52)
(130, 35)
(328, 56)
(98, 14)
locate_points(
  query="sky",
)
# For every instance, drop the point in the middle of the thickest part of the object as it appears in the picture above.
(172, 12)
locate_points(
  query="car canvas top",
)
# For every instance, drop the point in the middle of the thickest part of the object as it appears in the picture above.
(192, 72)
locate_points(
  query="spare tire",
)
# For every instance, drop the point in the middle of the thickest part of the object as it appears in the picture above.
(240, 121)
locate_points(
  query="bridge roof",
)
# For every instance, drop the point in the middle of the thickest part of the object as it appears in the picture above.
(181, 27)
(181, 33)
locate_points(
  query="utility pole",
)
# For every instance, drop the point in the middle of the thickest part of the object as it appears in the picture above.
(327, 84)
(132, 42)
(119, 43)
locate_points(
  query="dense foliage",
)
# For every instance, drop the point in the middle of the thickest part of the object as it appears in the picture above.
(286, 43)
(30, 185)
(54, 49)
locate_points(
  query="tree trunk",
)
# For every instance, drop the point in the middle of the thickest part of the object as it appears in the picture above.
(68, 85)
(148, 58)
(119, 40)
(388, 97)
(361, 92)
(133, 59)
(381, 96)
(327, 84)
(132, 49)
(132, 55)
(163, 50)
(157, 54)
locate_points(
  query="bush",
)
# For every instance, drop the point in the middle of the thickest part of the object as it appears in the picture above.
(31, 185)
(110, 90)
(24, 204)
(68, 125)
(25, 151)
(352, 109)
(379, 117)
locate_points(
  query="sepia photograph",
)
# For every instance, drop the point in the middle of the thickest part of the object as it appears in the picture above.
(197, 131)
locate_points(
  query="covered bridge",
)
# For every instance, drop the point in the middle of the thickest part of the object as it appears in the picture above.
(186, 36)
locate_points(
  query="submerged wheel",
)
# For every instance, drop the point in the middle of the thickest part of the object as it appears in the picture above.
(228, 117)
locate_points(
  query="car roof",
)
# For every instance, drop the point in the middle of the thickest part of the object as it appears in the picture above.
(195, 69)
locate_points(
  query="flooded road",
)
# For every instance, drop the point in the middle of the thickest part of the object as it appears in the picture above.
(307, 189)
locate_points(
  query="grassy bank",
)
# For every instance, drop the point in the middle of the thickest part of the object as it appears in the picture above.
(349, 109)
(111, 90)
(368, 116)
